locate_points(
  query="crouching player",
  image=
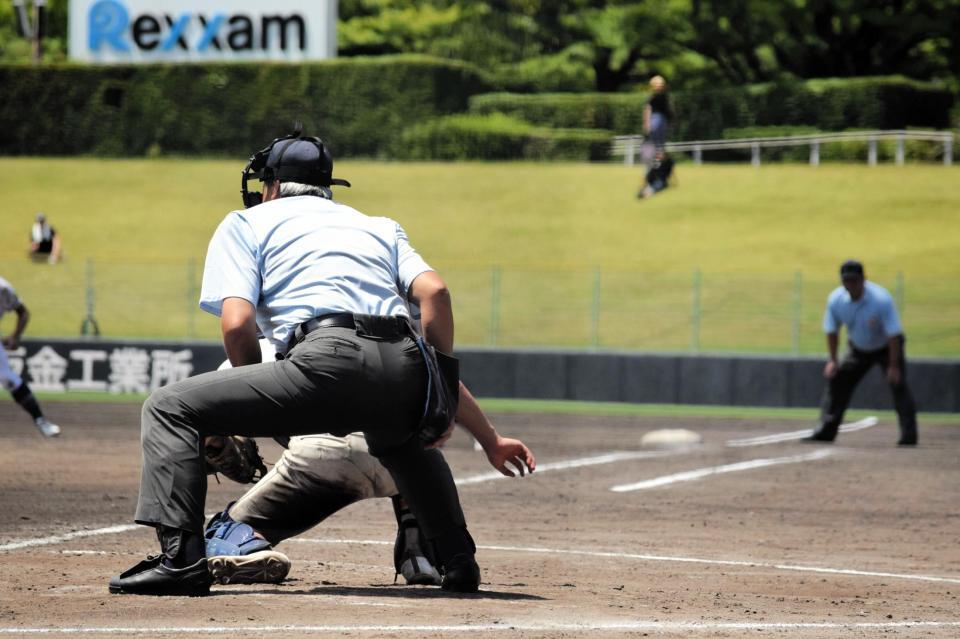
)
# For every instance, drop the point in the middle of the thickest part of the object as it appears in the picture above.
(318, 475)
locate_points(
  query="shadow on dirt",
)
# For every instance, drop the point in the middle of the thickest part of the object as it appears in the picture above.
(404, 592)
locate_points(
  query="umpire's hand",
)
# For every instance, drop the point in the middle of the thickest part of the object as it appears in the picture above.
(830, 370)
(515, 452)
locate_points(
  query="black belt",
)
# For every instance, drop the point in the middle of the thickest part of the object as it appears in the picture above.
(333, 320)
(382, 327)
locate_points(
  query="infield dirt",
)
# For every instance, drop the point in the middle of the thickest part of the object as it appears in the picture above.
(658, 557)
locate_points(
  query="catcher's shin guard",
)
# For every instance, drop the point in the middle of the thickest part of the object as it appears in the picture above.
(413, 555)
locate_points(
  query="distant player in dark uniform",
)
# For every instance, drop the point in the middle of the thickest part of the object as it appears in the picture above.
(876, 339)
(44, 241)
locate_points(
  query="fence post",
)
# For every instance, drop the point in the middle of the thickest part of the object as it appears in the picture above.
(948, 150)
(697, 155)
(191, 296)
(755, 154)
(815, 153)
(595, 310)
(872, 152)
(89, 326)
(797, 301)
(899, 156)
(494, 305)
(899, 294)
(695, 313)
(628, 157)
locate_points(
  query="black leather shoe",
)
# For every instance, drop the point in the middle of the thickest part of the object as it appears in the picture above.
(908, 436)
(151, 577)
(461, 574)
(819, 437)
(814, 439)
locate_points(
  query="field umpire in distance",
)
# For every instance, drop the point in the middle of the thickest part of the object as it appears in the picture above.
(329, 287)
(876, 339)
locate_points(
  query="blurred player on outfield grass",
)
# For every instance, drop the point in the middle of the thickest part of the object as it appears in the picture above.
(44, 242)
(8, 378)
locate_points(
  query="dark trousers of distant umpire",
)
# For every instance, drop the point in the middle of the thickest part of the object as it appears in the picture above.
(852, 368)
(337, 380)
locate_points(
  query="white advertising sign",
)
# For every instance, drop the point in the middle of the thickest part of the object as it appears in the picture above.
(144, 31)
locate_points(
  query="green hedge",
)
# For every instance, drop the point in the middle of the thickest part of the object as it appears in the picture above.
(621, 113)
(358, 105)
(498, 137)
(832, 104)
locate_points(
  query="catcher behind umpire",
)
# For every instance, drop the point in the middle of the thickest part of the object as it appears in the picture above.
(329, 287)
(316, 476)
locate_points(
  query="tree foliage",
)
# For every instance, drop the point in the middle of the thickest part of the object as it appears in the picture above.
(608, 45)
(756, 40)
(611, 45)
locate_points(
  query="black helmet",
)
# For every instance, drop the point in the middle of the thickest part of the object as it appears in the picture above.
(292, 158)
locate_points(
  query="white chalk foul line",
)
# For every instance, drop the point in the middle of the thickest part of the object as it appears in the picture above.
(80, 534)
(798, 434)
(504, 626)
(700, 473)
(648, 557)
(59, 539)
(594, 460)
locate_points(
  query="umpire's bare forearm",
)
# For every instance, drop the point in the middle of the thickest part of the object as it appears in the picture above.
(832, 343)
(430, 293)
(238, 323)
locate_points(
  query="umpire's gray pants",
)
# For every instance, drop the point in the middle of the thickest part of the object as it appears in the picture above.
(336, 376)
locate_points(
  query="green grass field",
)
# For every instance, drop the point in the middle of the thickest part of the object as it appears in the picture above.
(535, 254)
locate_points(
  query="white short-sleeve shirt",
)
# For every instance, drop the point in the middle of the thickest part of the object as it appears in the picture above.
(297, 258)
(871, 320)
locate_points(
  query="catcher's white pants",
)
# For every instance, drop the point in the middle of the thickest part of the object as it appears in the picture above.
(315, 477)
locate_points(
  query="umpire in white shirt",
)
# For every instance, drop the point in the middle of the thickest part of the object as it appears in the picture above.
(876, 339)
(329, 287)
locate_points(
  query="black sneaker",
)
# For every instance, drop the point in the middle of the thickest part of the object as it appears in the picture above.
(461, 574)
(151, 577)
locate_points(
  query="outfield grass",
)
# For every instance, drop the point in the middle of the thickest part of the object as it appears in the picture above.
(581, 261)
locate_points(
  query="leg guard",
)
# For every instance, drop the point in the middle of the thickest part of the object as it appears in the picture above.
(413, 555)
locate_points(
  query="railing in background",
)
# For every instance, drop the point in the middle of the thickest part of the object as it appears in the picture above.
(499, 306)
(629, 146)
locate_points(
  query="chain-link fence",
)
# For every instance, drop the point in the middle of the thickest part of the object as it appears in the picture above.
(513, 306)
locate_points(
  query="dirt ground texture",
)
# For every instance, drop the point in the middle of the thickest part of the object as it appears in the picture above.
(859, 543)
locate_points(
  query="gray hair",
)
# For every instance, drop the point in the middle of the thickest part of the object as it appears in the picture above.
(293, 189)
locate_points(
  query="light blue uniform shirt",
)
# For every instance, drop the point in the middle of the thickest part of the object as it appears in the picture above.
(296, 258)
(871, 321)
